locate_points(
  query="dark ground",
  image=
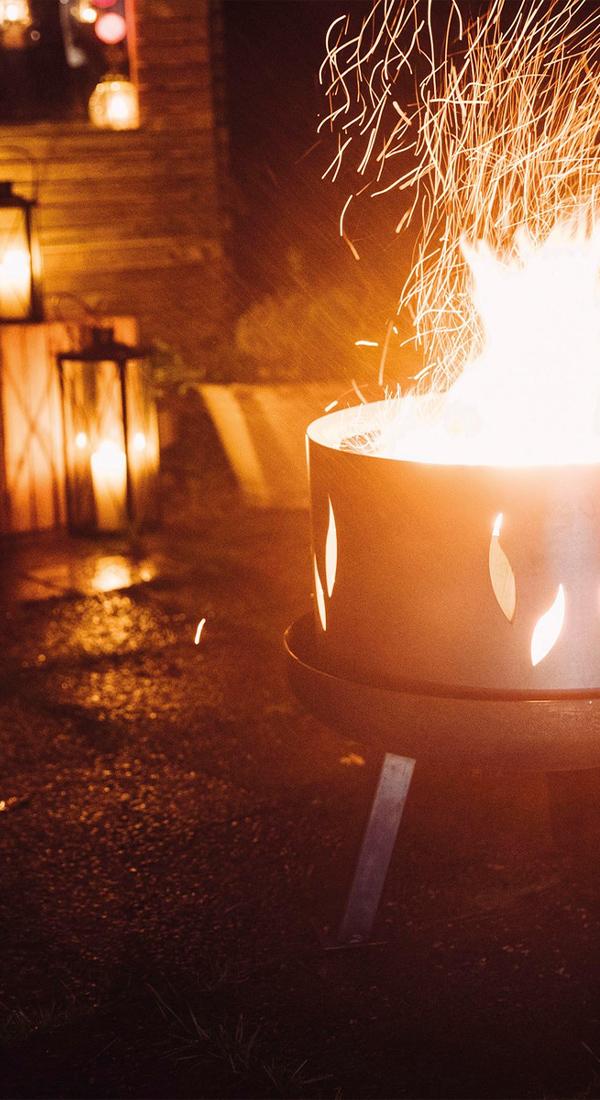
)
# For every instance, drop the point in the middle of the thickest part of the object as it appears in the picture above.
(174, 829)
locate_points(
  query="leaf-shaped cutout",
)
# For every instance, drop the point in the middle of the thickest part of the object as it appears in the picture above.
(319, 595)
(331, 551)
(546, 631)
(501, 574)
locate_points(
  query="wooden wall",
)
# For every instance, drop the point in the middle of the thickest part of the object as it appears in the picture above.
(133, 221)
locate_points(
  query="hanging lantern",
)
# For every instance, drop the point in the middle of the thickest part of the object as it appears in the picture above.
(15, 21)
(114, 104)
(110, 435)
(20, 260)
(15, 13)
(83, 11)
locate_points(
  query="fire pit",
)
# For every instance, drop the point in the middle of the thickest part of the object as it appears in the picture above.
(456, 527)
(462, 601)
(456, 618)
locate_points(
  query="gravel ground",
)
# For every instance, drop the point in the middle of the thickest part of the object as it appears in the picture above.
(175, 831)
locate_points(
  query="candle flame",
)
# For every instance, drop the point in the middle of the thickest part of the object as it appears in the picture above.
(199, 629)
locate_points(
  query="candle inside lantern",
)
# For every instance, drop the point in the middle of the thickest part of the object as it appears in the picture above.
(114, 104)
(109, 479)
(14, 12)
(15, 283)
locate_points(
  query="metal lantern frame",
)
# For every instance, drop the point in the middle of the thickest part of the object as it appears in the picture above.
(10, 200)
(102, 349)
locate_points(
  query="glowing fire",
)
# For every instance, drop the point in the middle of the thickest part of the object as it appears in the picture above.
(496, 154)
(320, 595)
(331, 559)
(501, 574)
(547, 629)
(331, 552)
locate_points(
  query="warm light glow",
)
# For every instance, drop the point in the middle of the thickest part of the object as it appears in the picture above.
(498, 160)
(84, 11)
(15, 12)
(109, 479)
(139, 442)
(199, 630)
(114, 104)
(501, 573)
(15, 282)
(111, 28)
(331, 552)
(111, 574)
(320, 596)
(547, 629)
(81, 440)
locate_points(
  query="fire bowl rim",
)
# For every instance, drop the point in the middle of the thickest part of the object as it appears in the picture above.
(320, 433)
(555, 732)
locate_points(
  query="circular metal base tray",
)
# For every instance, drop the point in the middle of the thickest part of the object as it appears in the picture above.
(561, 733)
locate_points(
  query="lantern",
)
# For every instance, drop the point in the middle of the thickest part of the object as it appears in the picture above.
(20, 261)
(110, 435)
(15, 21)
(15, 12)
(84, 11)
(114, 104)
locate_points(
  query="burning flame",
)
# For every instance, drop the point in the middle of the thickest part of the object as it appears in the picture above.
(320, 596)
(497, 157)
(546, 631)
(501, 573)
(331, 552)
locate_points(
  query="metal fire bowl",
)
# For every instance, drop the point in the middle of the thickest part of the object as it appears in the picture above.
(558, 733)
(419, 580)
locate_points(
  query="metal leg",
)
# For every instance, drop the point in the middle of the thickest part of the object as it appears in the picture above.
(376, 852)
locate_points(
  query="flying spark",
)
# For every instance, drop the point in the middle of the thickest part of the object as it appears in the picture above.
(498, 140)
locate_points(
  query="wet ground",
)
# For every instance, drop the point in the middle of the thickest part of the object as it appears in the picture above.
(175, 831)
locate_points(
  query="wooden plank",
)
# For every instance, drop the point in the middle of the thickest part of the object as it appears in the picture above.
(156, 81)
(115, 220)
(70, 191)
(172, 58)
(170, 35)
(131, 172)
(123, 258)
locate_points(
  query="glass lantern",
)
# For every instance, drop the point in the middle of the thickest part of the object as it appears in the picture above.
(110, 435)
(15, 13)
(114, 104)
(20, 260)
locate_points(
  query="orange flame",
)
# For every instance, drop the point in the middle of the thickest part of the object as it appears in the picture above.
(548, 628)
(501, 573)
(320, 596)
(331, 552)
(499, 143)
